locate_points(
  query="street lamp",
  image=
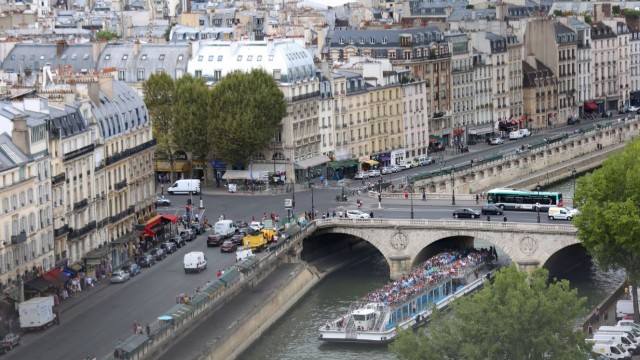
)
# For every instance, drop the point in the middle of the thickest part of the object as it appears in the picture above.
(313, 212)
(538, 202)
(453, 190)
(411, 187)
(573, 173)
(380, 191)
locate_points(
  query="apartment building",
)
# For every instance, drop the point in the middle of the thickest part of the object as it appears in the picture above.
(634, 68)
(415, 118)
(26, 240)
(624, 62)
(350, 113)
(515, 48)
(385, 124)
(583, 62)
(462, 87)
(495, 46)
(296, 147)
(604, 78)
(484, 121)
(540, 93)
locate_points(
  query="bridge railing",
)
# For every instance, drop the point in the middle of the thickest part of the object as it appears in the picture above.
(452, 224)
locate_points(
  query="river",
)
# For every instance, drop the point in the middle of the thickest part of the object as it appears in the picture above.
(295, 336)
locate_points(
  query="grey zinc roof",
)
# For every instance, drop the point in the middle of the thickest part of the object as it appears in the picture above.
(109, 112)
(150, 57)
(561, 28)
(6, 162)
(34, 56)
(69, 120)
(425, 35)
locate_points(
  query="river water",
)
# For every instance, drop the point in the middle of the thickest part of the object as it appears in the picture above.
(295, 336)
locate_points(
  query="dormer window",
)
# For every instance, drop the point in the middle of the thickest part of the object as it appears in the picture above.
(351, 41)
(125, 57)
(200, 57)
(219, 57)
(384, 40)
(144, 57)
(107, 57)
(180, 57)
(361, 41)
(162, 57)
(341, 41)
(372, 40)
(74, 56)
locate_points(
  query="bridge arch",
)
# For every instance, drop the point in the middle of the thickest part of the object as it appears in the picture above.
(403, 242)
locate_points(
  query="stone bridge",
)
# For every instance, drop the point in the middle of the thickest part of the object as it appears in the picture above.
(403, 242)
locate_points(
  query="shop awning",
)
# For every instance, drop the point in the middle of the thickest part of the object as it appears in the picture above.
(311, 162)
(342, 164)
(481, 131)
(172, 218)
(591, 106)
(434, 138)
(14, 293)
(38, 283)
(268, 167)
(371, 162)
(99, 253)
(178, 166)
(237, 175)
(55, 277)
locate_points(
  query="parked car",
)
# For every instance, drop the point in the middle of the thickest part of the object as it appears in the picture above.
(426, 160)
(404, 166)
(385, 170)
(198, 228)
(168, 247)
(573, 120)
(496, 141)
(256, 225)
(178, 241)
(187, 234)
(132, 268)
(228, 246)
(119, 276)
(395, 169)
(158, 254)
(237, 238)
(361, 175)
(215, 239)
(489, 209)
(357, 214)
(374, 173)
(146, 260)
(633, 108)
(162, 201)
(468, 213)
(10, 341)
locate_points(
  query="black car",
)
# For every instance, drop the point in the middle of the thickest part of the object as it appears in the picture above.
(237, 238)
(215, 240)
(573, 120)
(468, 213)
(241, 225)
(178, 241)
(198, 228)
(491, 210)
(158, 254)
(168, 247)
(146, 260)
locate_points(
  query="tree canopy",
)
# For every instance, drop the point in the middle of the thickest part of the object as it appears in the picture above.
(158, 97)
(246, 111)
(191, 121)
(519, 316)
(609, 220)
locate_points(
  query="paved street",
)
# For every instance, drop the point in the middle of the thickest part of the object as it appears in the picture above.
(93, 323)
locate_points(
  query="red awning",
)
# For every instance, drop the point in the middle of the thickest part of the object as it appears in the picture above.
(153, 221)
(591, 106)
(55, 277)
(147, 232)
(172, 218)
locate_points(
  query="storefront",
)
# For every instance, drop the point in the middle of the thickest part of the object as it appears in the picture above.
(181, 167)
(398, 156)
(634, 98)
(337, 170)
(156, 230)
(480, 134)
(311, 168)
(366, 164)
(436, 144)
(383, 159)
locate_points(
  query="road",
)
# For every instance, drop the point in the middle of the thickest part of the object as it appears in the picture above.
(94, 325)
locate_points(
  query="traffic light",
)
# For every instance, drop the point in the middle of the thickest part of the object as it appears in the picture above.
(188, 201)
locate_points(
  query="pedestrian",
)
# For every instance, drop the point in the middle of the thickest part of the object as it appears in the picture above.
(424, 195)
(177, 298)
(504, 219)
(597, 314)
(590, 329)
(148, 328)
(219, 273)
(324, 216)
(477, 199)
(488, 218)
(606, 316)
(334, 213)
(371, 214)
(482, 194)
(135, 326)
(406, 193)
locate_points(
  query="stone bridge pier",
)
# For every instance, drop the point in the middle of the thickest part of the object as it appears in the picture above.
(405, 243)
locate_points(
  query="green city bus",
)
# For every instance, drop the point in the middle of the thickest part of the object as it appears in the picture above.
(514, 199)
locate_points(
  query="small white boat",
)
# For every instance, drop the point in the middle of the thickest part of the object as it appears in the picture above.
(377, 322)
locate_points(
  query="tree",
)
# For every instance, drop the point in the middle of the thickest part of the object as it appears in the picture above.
(519, 316)
(609, 220)
(106, 35)
(616, 9)
(191, 120)
(158, 97)
(246, 111)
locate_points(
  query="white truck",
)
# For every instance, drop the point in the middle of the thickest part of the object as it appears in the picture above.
(195, 261)
(37, 313)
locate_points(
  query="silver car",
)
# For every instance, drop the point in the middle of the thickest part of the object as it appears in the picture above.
(119, 276)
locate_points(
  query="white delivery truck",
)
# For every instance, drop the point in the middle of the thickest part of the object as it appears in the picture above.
(194, 261)
(610, 349)
(187, 186)
(37, 313)
(625, 341)
(624, 308)
(224, 228)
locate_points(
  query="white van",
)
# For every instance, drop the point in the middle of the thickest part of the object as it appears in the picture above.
(244, 254)
(559, 213)
(610, 349)
(515, 135)
(629, 323)
(624, 308)
(195, 261)
(620, 330)
(624, 339)
(224, 228)
(190, 186)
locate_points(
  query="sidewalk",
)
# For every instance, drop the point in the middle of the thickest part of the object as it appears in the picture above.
(82, 295)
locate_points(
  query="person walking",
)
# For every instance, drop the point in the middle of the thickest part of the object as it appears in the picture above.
(606, 316)
(148, 328)
(590, 329)
(477, 199)
(135, 326)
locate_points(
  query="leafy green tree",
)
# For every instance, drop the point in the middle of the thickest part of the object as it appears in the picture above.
(106, 35)
(191, 120)
(519, 316)
(609, 220)
(158, 97)
(616, 9)
(246, 111)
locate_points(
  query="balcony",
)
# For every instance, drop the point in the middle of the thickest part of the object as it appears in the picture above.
(129, 152)
(79, 152)
(61, 231)
(304, 96)
(58, 179)
(120, 185)
(76, 233)
(438, 114)
(19, 239)
(123, 214)
(80, 205)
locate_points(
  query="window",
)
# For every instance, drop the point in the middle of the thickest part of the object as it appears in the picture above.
(200, 58)
(239, 58)
(162, 57)
(259, 58)
(121, 75)
(250, 57)
(140, 74)
(125, 57)
(219, 57)
(144, 57)
(210, 57)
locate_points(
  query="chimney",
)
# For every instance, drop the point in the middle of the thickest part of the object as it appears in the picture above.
(61, 46)
(136, 48)
(531, 60)
(98, 47)
(106, 85)
(93, 90)
(20, 134)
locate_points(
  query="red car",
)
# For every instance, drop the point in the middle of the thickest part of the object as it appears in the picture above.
(228, 246)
